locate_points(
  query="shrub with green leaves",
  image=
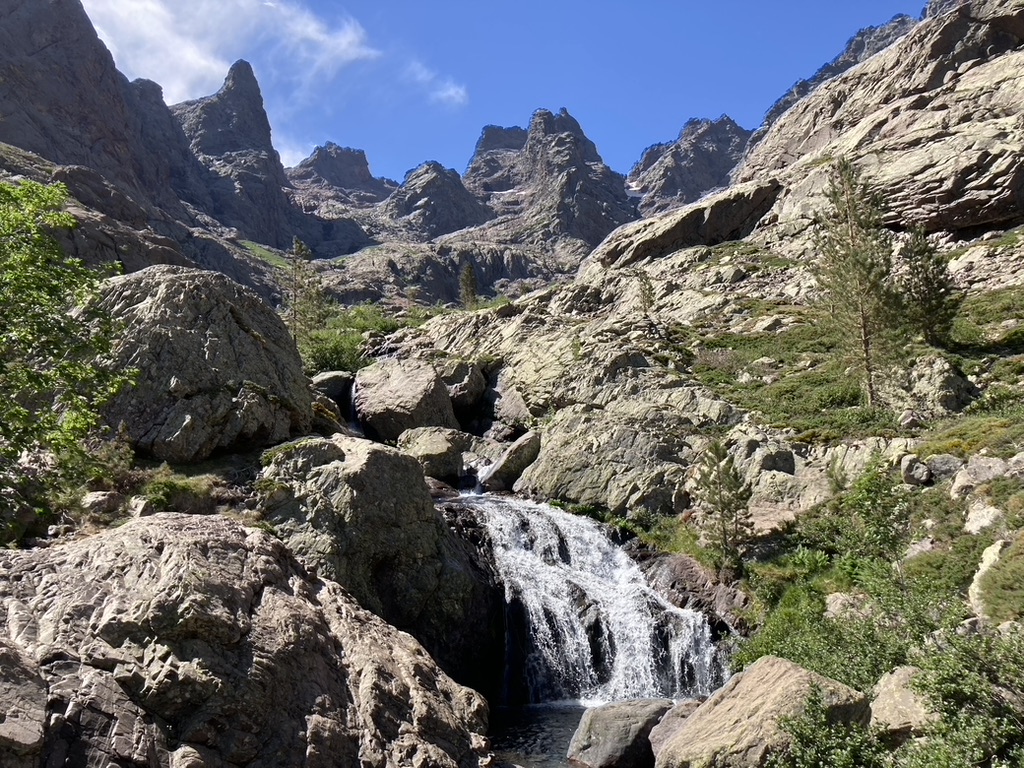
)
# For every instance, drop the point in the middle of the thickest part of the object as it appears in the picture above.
(51, 385)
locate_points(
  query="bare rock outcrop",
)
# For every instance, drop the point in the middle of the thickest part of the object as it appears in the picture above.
(217, 368)
(738, 726)
(341, 173)
(680, 172)
(394, 395)
(360, 514)
(179, 641)
(432, 201)
(615, 735)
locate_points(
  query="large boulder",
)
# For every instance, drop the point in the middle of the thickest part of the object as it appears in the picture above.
(738, 727)
(187, 641)
(616, 735)
(438, 450)
(393, 395)
(502, 475)
(360, 514)
(686, 583)
(671, 722)
(217, 368)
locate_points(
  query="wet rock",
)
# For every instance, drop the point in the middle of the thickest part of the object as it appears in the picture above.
(616, 735)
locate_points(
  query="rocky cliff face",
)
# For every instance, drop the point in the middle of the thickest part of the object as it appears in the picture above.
(865, 44)
(680, 172)
(933, 120)
(432, 201)
(197, 642)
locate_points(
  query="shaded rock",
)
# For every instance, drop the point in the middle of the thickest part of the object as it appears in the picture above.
(360, 514)
(616, 735)
(466, 384)
(213, 633)
(670, 722)
(738, 726)
(513, 462)
(217, 368)
(395, 395)
(438, 450)
(680, 172)
(337, 385)
(913, 471)
(23, 703)
(433, 201)
(898, 709)
(935, 388)
(943, 466)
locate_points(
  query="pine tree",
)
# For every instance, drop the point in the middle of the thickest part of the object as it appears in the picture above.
(724, 497)
(305, 304)
(931, 298)
(853, 272)
(468, 286)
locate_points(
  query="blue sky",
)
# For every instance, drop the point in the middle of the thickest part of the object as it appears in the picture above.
(414, 81)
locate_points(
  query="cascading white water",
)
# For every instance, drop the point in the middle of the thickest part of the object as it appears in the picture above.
(595, 630)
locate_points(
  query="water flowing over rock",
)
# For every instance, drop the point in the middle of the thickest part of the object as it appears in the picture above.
(197, 642)
(584, 623)
(217, 368)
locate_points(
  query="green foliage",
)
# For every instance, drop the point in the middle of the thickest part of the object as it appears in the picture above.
(265, 254)
(646, 291)
(930, 297)
(853, 272)
(1002, 587)
(51, 339)
(305, 304)
(998, 434)
(975, 682)
(468, 287)
(724, 498)
(869, 520)
(169, 491)
(817, 742)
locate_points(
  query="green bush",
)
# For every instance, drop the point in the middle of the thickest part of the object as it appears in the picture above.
(169, 491)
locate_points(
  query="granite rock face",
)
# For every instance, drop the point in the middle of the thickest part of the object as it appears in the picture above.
(360, 514)
(738, 727)
(393, 395)
(197, 642)
(432, 201)
(616, 735)
(344, 171)
(680, 172)
(217, 368)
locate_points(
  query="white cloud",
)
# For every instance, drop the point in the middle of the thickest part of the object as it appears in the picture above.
(443, 90)
(188, 45)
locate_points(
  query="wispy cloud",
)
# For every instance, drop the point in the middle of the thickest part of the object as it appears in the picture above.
(440, 89)
(187, 45)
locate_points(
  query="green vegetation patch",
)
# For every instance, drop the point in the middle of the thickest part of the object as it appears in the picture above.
(274, 258)
(1002, 587)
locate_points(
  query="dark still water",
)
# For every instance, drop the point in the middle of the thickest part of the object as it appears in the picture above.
(536, 736)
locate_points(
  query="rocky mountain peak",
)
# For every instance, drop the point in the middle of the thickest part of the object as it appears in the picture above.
(699, 160)
(433, 201)
(340, 166)
(558, 139)
(231, 120)
(494, 137)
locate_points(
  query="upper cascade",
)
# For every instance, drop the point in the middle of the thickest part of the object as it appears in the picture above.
(698, 161)
(231, 120)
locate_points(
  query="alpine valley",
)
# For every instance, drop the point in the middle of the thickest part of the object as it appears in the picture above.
(483, 480)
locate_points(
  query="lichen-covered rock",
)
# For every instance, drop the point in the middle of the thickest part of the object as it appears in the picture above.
(217, 368)
(191, 641)
(360, 514)
(394, 395)
(897, 708)
(438, 450)
(738, 727)
(616, 735)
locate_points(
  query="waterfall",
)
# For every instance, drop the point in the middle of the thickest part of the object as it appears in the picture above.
(584, 624)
